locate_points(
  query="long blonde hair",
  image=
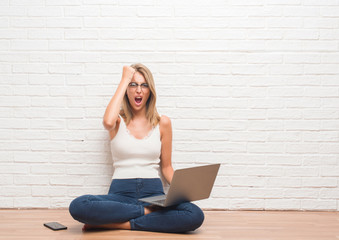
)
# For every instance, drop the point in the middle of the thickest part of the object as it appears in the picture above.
(152, 114)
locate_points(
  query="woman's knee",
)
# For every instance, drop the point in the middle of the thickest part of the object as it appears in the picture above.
(197, 217)
(194, 216)
(78, 208)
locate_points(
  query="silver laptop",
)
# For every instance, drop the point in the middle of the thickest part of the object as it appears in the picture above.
(189, 184)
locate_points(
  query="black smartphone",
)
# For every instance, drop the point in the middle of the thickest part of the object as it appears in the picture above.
(55, 226)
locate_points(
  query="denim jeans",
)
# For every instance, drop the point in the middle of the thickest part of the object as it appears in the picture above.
(121, 205)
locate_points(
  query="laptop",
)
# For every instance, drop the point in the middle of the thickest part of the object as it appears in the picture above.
(188, 184)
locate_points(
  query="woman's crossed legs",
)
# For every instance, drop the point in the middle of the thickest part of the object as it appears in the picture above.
(115, 211)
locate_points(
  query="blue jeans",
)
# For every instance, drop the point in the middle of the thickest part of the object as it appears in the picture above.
(121, 205)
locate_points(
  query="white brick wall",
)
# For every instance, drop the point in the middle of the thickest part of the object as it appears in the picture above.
(251, 84)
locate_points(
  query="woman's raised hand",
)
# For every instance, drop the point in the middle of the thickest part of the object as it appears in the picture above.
(113, 108)
(128, 72)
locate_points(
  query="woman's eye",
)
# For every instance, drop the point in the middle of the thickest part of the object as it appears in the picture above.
(133, 84)
(145, 85)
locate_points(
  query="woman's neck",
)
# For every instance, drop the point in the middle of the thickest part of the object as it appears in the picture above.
(141, 114)
(139, 119)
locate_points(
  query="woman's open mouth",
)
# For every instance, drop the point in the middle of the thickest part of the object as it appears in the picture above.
(138, 100)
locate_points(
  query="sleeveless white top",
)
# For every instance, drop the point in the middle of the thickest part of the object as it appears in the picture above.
(133, 157)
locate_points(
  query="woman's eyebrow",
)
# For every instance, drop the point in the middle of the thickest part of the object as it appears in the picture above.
(138, 82)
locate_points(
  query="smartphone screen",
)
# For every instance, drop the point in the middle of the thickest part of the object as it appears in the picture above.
(55, 226)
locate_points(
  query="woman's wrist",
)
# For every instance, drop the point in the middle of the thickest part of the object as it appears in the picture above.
(126, 80)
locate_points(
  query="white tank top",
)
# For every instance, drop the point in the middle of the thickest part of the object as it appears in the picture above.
(133, 157)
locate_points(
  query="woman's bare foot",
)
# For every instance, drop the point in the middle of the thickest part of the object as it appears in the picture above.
(87, 227)
(124, 226)
(151, 208)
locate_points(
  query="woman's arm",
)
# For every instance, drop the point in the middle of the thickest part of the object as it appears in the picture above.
(166, 148)
(113, 108)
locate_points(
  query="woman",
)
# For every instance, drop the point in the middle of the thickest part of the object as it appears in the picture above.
(141, 146)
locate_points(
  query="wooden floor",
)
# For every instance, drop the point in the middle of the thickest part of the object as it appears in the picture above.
(244, 225)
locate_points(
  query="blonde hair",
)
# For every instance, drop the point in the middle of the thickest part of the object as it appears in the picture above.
(151, 111)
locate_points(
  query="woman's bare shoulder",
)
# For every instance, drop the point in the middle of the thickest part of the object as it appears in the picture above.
(165, 121)
(165, 125)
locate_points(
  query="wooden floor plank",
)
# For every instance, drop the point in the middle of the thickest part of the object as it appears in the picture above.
(240, 225)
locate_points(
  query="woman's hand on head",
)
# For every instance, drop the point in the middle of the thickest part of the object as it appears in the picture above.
(128, 72)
